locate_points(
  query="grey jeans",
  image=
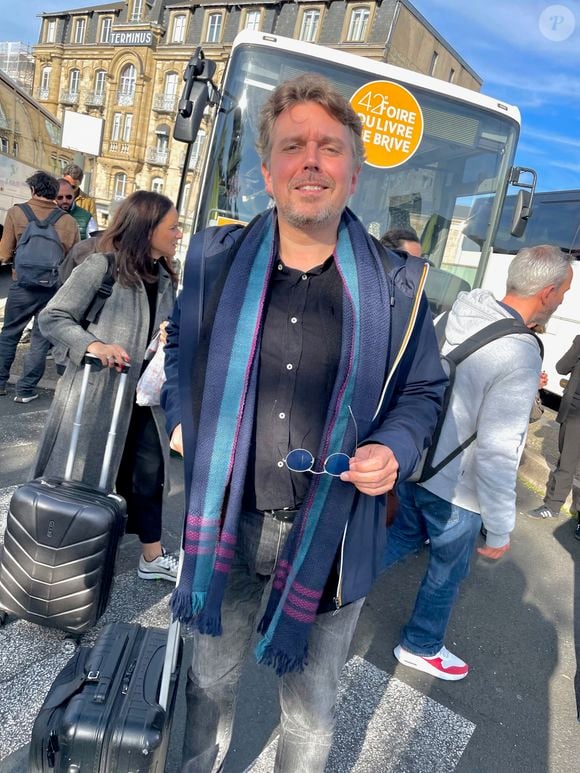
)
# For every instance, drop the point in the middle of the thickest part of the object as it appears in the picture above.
(307, 698)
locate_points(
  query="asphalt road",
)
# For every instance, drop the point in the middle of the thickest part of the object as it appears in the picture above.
(513, 623)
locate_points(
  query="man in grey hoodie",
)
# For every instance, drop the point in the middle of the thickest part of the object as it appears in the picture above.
(492, 395)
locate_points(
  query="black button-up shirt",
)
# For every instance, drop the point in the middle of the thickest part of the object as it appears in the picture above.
(299, 358)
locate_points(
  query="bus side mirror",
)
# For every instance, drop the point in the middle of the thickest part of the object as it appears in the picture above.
(522, 211)
(195, 97)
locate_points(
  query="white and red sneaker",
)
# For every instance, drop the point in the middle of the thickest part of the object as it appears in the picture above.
(443, 665)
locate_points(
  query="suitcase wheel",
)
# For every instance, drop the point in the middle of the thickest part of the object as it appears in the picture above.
(70, 644)
(3, 618)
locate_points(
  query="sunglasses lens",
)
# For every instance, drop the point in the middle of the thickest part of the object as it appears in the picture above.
(299, 460)
(336, 464)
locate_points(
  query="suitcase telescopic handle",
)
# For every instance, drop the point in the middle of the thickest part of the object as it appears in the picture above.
(93, 364)
(171, 651)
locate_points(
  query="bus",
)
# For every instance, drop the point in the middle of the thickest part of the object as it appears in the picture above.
(434, 149)
(554, 219)
(29, 141)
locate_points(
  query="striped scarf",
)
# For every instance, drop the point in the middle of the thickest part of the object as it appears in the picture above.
(225, 431)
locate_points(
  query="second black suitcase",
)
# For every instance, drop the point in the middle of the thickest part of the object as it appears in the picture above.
(61, 541)
(110, 708)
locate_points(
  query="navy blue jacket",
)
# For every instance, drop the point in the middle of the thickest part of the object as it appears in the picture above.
(414, 385)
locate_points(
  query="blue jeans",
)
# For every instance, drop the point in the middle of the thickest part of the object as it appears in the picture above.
(452, 532)
(307, 698)
(22, 304)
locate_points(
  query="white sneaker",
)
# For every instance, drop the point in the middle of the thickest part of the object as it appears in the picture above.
(443, 665)
(164, 567)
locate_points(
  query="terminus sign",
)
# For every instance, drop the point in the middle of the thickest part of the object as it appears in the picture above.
(131, 38)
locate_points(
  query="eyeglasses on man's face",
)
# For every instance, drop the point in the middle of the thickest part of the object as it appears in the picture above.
(68, 197)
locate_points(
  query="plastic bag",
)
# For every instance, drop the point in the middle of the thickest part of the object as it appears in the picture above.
(152, 380)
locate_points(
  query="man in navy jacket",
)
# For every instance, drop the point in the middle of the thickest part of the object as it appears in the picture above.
(311, 148)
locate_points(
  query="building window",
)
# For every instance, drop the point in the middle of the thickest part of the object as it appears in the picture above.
(434, 59)
(127, 85)
(214, 28)
(127, 127)
(252, 21)
(309, 27)
(4, 144)
(197, 149)
(451, 75)
(157, 185)
(74, 80)
(162, 140)
(50, 31)
(170, 86)
(116, 127)
(178, 31)
(100, 80)
(106, 29)
(80, 30)
(119, 186)
(44, 82)
(357, 29)
(137, 10)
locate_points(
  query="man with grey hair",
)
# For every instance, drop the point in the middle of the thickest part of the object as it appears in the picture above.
(490, 401)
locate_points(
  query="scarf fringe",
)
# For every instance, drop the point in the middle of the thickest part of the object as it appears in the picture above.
(185, 606)
(210, 625)
(281, 662)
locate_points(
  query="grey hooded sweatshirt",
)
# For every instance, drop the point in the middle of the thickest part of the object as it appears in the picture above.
(493, 394)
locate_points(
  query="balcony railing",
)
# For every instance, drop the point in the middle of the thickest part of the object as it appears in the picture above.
(95, 99)
(164, 103)
(125, 98)
(69, 97)
(115, 146)
(155, 156)
(42, 93)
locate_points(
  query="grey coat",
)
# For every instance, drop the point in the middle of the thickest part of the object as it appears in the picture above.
(569, 363)
(124, 320)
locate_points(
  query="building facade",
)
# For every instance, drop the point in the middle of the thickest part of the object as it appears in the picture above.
(124, 61)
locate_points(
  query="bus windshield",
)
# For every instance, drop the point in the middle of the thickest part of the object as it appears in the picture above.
(465, 153)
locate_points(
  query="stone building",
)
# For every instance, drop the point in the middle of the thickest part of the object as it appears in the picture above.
(124, 61)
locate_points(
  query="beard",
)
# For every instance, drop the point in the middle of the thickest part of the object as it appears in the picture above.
(301, 219)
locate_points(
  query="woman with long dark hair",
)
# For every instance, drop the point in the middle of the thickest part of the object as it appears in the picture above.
(137, 249)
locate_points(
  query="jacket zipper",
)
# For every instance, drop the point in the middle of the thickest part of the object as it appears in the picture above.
(406, 338)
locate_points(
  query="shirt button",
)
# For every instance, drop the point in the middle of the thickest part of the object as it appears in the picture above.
(289, 366)
(293, 320)
(280, 463)
(304, 276)
(281, 415)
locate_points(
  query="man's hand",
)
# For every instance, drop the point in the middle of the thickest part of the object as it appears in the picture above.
(176, 442)
(493, 553)
(373, 470)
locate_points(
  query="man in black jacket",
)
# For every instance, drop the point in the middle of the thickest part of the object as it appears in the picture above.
(561, 479)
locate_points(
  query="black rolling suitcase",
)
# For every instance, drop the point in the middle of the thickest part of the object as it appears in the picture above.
(62, 538)
(110, 708)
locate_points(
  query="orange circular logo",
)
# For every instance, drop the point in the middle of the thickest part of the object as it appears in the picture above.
(392, 122)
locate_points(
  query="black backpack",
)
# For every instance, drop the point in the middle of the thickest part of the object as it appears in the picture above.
(39, 251)
(502, 327)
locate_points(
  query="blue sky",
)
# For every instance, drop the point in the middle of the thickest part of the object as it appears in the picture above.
(526, 51)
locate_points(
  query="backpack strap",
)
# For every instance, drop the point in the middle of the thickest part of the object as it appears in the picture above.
(51, 219)
(94, 311)
(486, 335)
